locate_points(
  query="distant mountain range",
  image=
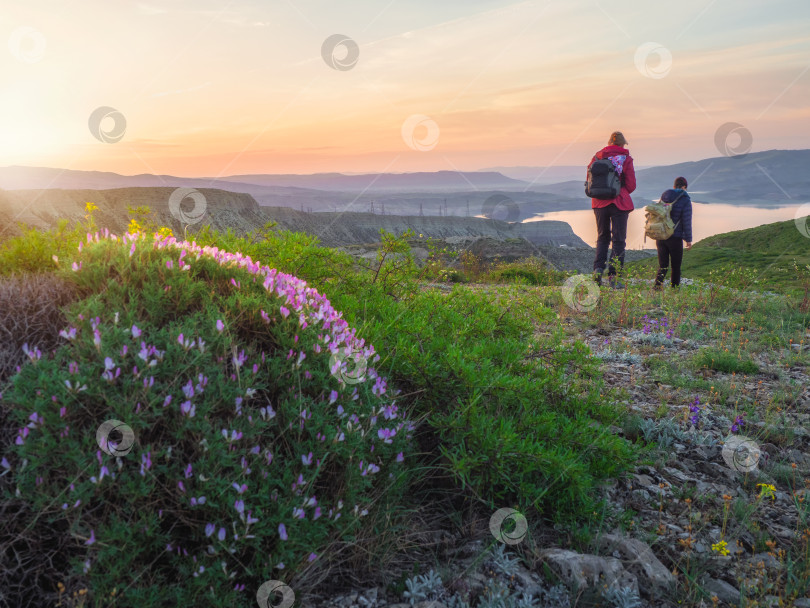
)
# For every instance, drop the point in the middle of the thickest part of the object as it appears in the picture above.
(775, 177)
(388, 182)
(538, 176)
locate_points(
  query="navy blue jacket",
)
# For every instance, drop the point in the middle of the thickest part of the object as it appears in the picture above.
(681, 213)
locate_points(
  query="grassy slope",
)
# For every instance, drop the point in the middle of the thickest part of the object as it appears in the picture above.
(769, 251)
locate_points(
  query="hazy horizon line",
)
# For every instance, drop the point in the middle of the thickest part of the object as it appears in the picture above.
(490, 169)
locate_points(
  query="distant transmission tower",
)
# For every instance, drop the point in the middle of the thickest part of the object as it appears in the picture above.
(372, 207)
(468, 207)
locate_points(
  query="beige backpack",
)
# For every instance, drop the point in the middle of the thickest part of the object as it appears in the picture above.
(658, 224)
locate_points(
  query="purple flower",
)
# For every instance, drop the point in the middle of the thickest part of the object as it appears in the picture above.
(307, 460)
(695, 409)
(220, 325)
(188, 389)
(239, 505)
(136, 333)
(282, 531)
(146, 462)
(221, 534)
(386, 435)
(188, 409)
(235, 435)
(240, 489)
(209, 529)
(92, 538)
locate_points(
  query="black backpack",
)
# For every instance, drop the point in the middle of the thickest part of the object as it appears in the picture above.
(604, 182)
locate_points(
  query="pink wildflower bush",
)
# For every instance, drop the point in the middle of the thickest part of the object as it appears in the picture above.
(202, 428)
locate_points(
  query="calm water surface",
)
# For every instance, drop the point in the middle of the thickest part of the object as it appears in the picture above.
(707, 220)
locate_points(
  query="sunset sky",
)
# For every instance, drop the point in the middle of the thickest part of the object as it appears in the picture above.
(223, 87)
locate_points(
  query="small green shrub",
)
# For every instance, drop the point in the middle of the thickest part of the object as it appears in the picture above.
(528, 271)
(34, 250)
(724, 361)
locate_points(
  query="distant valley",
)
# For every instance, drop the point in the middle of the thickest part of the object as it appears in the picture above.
(775, 177)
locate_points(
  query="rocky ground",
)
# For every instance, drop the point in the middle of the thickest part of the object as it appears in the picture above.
(709, 516)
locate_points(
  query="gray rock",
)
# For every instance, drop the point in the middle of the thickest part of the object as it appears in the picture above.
(429, 604)
(724, 592)
(347, 601)
(368, 599)
(642, 495)
(654, 578)
(527, 583)
(802, 602)
(588, 572)
(676, 474)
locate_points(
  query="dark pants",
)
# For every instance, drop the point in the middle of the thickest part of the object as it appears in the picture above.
(671, 249)
(611, 227)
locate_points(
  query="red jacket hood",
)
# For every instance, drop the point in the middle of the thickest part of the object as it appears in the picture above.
(610, 150)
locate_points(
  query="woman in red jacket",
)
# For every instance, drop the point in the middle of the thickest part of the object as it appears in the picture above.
(611, 215)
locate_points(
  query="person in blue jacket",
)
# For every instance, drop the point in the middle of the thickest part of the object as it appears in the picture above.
(671, 249)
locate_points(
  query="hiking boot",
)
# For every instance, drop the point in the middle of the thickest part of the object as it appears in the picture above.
(597, 277)
(614, 284)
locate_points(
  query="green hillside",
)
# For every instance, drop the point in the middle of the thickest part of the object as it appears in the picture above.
(200, 423)
(773, 256)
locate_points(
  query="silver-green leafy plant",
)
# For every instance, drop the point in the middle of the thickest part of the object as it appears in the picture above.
(503, 561)
(424, 587)
(623, 597)
(664, 432)
(556, 597)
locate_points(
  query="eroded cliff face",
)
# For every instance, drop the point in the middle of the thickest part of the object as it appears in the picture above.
(338, 229)
(240, 212)
(44, 208)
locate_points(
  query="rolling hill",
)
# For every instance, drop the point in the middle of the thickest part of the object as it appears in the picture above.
(768, 252)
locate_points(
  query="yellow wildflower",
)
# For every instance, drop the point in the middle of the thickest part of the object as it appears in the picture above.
(721, 548)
